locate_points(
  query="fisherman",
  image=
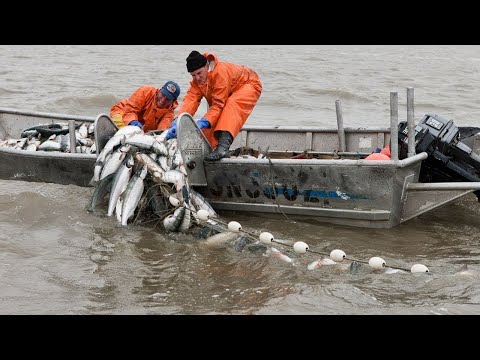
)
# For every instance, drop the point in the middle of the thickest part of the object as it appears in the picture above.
(231, 92)
(149, 108)
(383, 154)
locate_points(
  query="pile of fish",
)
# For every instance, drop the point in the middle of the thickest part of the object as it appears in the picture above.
(141, 176)
(54, 137)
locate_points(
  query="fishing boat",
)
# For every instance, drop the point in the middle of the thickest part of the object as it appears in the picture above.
(299, 172)
(323, 174)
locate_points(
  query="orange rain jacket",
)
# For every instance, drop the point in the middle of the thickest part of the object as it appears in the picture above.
(382, 155)
(141, 106)
(231, 91)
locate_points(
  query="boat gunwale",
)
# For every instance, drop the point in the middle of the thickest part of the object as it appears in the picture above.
(303, 129)
(58, 116)
(332, 162)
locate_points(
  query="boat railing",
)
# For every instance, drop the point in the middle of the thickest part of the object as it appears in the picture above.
(57, 116)
(361, 141)
(331, 162)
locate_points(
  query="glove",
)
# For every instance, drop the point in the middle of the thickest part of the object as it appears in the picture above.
(136, 123)
(203, 123)
(172, 132)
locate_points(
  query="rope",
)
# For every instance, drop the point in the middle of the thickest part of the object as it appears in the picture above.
(274, 188)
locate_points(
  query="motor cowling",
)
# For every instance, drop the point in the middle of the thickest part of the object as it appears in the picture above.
(449, 159)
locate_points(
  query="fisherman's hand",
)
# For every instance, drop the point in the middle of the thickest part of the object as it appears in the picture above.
(203, 123)
(136, 123)
(172, 132)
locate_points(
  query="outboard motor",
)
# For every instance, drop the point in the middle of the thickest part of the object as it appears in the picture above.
(449, 159)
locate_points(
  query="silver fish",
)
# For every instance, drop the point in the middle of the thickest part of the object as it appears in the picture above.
(21, 144)
(113, 162)
(152, 165)
(317, 264)
(65, 143)
(133, 194)
(177, 159)
(118, 138)
(97, 170)
(174, 177)
(103, 188)
(185, 198)
(162, 137)
(120, 182)
(221, 239)
(50, 145)
(118, 209)
(109, 148)
(162, 161)
(128, 131)
(31, 147)
(85, 142)
(278, 254)
(83, 131)
(91, 129)
(200, 203)
(172, 222)
(147, 142)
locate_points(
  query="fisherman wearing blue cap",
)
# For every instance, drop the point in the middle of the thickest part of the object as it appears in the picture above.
(149, 108)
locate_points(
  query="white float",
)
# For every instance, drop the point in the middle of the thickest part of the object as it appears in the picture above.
(174, 201)
(266, 238)
(376, 263)
(203, 214)
(337, 255)
(419, 268)
(300, 247)
(234, 226)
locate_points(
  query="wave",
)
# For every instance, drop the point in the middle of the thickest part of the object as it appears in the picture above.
(339, 94)
(89, 105)
(4, 91)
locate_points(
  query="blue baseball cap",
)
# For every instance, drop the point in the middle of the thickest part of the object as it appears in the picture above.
(171, 90)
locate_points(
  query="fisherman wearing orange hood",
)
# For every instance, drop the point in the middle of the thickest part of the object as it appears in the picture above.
(231, 91)
(148, 107)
